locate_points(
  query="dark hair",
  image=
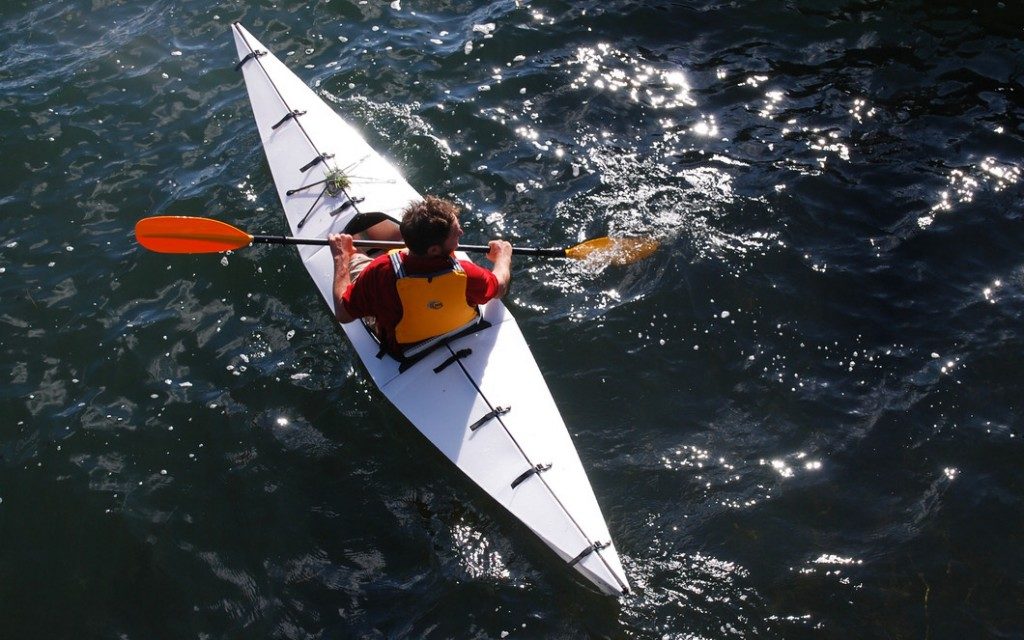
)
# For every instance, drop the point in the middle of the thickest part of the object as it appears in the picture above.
(427, 223)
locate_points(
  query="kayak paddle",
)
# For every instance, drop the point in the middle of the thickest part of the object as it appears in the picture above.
(186, 234)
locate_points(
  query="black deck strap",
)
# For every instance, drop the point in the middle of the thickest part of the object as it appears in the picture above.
(345, 206)
(455, 357)
(597, 546)
(529, 472)
(315, 161)
(490, 415)
(294, 113)
(313, 206)
(247, 58)
(292, 192)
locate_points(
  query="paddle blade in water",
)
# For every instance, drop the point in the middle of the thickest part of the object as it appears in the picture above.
(617, 251)
(184, 234)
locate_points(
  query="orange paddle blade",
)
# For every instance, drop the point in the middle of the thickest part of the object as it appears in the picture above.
(617, 251)
(185, 234)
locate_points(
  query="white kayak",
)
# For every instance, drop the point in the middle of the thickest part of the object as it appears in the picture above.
(480, 398)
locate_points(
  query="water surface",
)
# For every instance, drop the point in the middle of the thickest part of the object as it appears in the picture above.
(800, 417)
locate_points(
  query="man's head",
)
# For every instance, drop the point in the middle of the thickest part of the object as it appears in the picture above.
(431, 227)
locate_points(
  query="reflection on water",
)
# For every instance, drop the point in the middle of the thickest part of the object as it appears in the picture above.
(478, 557)
(607, 68)
(801, 408)
(965, 183)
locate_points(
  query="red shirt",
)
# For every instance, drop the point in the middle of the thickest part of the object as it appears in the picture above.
(374, 293)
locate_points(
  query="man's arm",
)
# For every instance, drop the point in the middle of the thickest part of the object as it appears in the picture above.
(342, 250)
(501, 255)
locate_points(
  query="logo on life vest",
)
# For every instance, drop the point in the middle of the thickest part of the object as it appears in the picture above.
(435, 304)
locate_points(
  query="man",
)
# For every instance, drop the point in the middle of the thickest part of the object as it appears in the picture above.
(420, 292)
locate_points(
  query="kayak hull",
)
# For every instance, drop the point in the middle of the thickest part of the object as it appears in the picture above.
(480, 399)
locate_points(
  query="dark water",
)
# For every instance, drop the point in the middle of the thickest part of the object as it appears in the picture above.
(801, 417)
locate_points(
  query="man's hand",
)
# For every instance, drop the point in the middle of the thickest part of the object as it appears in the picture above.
(499, 249)
(341, 246)
(342, 249)
(501, 255)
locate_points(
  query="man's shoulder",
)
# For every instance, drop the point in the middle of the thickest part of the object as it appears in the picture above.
(473, 269)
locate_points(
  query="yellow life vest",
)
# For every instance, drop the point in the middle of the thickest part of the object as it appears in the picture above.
(433, 304)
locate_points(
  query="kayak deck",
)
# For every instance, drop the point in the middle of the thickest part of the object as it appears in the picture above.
(480, 398)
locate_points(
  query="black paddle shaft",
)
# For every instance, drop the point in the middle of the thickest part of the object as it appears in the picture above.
(393, 244)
